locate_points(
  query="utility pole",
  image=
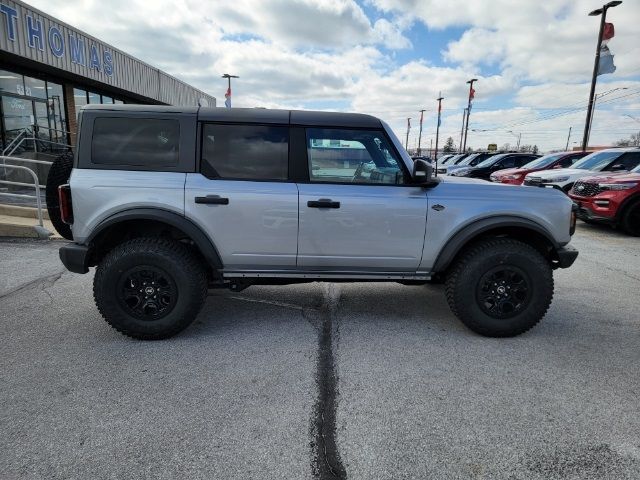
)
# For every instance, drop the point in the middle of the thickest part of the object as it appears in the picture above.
(464, 115)
(440, 98)
(471, 95)
(603, 15)
(227, 96)
(593, 108)
(406, 143)
(568, 138)
(420, 134)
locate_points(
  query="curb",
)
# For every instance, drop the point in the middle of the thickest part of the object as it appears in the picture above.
(23, 231)
(24, 212)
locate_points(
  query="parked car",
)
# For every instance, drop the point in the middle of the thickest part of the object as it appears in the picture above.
(609, 160)
(454, 159)
(612, 198)
(515, 176)
(494, 163)
(168, 202)
(470, 161)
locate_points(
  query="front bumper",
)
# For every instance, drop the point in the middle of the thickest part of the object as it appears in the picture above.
(566, 256)
(75, 257)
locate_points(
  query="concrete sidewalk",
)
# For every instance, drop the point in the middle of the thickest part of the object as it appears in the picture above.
(22, 222)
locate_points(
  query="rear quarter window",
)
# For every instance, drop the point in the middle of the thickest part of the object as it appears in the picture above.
(139, 142)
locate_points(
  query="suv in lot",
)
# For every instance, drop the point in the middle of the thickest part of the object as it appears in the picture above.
(612, 198)
(470, 161)
(609, 160)
(515, 176)
(168, 202)
(494, 163)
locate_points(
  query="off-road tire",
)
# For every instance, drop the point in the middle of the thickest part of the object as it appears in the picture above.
(58, 175)
(183, 269)
(631, 219)
(471, 267)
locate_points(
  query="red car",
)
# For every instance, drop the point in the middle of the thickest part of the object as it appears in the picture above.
(515, 176)
(612, 198)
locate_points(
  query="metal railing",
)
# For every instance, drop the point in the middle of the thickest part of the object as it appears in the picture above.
(36, 184)
(22, 137)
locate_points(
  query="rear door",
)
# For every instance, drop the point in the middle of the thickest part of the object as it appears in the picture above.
(358, 211)
(242, 197)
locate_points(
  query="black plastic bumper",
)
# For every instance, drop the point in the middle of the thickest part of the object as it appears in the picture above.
(566, 256)
(75, 257)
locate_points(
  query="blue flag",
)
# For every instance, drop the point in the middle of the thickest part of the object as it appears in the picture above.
(605, 65)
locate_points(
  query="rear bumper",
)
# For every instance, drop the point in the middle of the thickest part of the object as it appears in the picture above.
(75, 257)
(566, 256)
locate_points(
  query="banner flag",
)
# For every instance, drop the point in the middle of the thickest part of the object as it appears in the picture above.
(227, 96)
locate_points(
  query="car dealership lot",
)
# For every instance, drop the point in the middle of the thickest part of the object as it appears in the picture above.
(237, 395)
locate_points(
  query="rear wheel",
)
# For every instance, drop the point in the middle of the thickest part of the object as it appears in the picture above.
(58, 175)
(500, 287)
(631, 219)
(150, 288)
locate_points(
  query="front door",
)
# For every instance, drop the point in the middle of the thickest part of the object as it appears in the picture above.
(358, 212)
(242, 197)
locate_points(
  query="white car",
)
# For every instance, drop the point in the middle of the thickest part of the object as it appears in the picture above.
(609, 160)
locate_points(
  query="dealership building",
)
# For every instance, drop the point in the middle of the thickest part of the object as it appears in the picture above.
(49, 69)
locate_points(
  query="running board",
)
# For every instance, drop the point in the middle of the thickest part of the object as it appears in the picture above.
(336, 275)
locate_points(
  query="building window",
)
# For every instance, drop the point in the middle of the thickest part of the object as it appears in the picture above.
(94, 98)
(34, 87)
(106, 99)
(57, 115)
(11, 83)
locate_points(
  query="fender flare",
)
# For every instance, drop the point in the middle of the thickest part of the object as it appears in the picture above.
(468, 232)
(193, 231)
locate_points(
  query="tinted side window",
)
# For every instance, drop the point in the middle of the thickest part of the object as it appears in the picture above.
(352, 156)
(566, 162)
(629, 161)
(245, 152)
(508, 162)
(135, 142)
(523, 159)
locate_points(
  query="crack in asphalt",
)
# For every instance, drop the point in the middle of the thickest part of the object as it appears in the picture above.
(44, 282)
(326, 462)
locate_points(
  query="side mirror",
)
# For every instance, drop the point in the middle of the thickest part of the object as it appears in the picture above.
(422, 171)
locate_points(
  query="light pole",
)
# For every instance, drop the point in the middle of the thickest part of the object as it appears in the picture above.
(420, 133)
(519, 135)
(464, 115)
(406, 143)
(438, 126)
(471, 95)
(603, 15)
(593, 108)
(566, 149)
(227, 96)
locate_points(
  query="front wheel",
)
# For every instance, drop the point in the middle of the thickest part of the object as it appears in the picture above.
(500, 287)
(631, 219)
(150, 288)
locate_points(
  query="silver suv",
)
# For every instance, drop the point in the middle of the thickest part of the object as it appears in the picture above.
(169, 202)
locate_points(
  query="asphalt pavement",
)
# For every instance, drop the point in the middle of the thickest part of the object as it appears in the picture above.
(363, 381)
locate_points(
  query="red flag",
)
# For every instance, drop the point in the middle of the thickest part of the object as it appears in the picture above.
(472, 93)
(608, 31)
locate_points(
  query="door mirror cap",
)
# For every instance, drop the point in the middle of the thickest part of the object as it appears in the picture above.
(423, 172)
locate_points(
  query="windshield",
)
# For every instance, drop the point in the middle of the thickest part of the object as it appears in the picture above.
(451, 160)
(491, 160)
(543, 161)
(597, 160)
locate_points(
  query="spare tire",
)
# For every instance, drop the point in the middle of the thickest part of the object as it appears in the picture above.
(58, 175)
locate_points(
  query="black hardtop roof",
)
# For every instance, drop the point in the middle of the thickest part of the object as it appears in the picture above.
(255, 115)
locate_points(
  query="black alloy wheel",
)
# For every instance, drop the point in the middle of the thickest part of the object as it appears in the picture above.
(503, 292)
(148, 292)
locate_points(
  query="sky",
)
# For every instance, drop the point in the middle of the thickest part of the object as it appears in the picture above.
(391, 58)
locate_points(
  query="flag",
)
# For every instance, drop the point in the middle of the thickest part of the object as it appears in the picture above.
(439, 110)
(408, 124)
(227, 96)
(472, 93)
(605, 64)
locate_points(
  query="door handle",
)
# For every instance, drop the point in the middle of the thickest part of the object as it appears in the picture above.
(323, 203)
(213, 200)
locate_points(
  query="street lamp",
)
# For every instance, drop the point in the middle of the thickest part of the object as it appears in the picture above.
(593, 108)
(603, 15)
(466, 128)
(519, 135)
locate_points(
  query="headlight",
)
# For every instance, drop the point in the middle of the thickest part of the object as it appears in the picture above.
(555, 179)
(461, 172)
(514, 177)
(617, 186)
